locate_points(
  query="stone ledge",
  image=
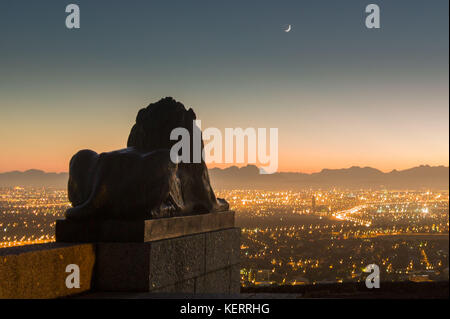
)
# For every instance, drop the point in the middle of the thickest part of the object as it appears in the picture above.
(141, 231)
(39, 271)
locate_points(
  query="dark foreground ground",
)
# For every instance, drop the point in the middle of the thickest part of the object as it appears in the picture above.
(387, 290)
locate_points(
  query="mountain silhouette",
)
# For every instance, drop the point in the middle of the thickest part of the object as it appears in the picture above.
(248, 177)
(422, 177)
(33, 178)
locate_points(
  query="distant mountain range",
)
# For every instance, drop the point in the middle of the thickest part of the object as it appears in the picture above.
(248, 177)
(34, 178)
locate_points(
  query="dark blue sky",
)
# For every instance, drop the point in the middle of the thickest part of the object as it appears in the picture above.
(330, 85)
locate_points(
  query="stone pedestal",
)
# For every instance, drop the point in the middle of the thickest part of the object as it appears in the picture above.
(201, 263)
(192, 254)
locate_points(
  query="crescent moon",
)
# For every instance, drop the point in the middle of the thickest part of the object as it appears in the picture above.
(288, 28)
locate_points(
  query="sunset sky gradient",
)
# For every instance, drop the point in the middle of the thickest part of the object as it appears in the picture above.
(340, 94)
